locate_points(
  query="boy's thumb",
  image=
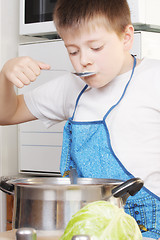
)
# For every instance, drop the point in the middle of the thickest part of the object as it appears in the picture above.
(44, 65)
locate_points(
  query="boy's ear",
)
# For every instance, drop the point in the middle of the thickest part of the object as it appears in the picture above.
(128, 37)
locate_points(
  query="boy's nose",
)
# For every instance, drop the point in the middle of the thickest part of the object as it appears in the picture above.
(85, 59)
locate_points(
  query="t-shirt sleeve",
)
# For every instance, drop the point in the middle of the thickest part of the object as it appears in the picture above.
(54, 101)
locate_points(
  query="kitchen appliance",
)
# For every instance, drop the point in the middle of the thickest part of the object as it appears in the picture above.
(47, 204)
(36, 16)
(35, 142)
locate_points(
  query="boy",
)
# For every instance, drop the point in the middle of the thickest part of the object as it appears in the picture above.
(113, 130)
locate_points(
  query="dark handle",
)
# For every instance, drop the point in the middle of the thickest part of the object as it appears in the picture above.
(5, 187)
(131, 186)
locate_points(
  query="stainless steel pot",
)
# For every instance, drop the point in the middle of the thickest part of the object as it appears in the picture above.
(49, 203)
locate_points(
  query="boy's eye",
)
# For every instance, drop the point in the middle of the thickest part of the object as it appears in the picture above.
(73, 53)
(97, 48)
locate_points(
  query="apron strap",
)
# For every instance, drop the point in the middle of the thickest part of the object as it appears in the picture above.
(78, 100)
(134, 65)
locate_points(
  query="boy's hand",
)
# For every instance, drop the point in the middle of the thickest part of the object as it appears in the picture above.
(23, 70)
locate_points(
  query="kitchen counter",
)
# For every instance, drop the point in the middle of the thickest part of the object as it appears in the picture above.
(41, 235)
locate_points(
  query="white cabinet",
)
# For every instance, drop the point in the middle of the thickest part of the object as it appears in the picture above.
(146, 44)
(145, 12)
(40, 148)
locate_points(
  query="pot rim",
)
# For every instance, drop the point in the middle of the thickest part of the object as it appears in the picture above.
(56, 181)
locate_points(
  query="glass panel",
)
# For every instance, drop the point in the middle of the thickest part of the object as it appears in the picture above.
(39, 10)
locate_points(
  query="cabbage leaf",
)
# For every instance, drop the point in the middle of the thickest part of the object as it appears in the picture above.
(102, 220)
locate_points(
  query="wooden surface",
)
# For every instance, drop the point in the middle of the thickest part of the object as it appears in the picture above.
(9, 212)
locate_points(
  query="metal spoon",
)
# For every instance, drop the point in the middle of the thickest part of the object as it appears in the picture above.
(80, 74)
(84, 74)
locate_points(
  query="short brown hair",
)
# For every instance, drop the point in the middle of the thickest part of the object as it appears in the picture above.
(74, 13)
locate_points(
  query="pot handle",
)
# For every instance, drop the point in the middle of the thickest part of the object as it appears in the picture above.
(6, 187)
(131, 186)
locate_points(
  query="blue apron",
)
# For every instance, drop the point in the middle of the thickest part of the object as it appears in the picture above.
(87, 147)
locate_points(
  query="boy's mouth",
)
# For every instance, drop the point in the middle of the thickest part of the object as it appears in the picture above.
(85, 74)
(87, 79)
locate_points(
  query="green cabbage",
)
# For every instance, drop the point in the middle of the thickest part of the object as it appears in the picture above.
(102, 220)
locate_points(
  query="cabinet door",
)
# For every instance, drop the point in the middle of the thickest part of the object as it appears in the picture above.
(146, 44)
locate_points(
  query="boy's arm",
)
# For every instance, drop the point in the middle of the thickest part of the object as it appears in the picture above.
(19, 72)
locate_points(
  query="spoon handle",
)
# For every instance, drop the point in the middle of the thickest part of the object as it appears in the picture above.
(80, 74)
(58, 70)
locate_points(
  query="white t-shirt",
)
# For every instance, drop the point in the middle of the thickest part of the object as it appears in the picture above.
(134, 125)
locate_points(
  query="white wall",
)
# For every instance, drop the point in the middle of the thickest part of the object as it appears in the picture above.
(9, 11)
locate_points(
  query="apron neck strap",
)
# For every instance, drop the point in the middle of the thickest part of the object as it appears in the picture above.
(134, 65)
(78, 100)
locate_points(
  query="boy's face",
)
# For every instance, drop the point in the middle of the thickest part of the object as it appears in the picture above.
(97, 50)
